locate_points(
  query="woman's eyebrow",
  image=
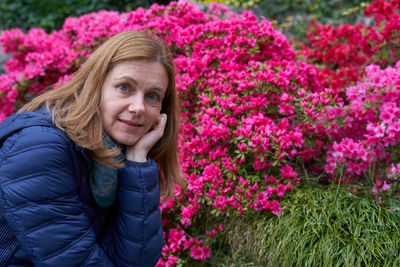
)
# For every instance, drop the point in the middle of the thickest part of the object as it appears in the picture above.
(125, 77)
(158, 90)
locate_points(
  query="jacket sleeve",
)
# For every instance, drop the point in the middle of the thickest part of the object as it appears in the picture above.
(39, 194)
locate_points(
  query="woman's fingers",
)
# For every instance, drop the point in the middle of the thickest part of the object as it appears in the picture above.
(138, 152)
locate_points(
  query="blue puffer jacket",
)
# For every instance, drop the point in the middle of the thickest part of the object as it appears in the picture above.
(48, 216)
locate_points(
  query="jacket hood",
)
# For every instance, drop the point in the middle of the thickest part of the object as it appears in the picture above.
(18, 121)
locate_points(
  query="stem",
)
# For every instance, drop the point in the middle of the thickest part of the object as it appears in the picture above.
(340, 179)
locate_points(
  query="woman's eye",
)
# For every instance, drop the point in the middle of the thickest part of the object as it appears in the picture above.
(123, 87)
(153, 97)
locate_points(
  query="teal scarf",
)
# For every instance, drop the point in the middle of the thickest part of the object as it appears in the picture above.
(104, 179)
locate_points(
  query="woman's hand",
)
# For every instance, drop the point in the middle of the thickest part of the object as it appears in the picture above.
(138, 152)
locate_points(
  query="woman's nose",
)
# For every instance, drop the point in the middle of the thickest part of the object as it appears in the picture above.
(136, 104)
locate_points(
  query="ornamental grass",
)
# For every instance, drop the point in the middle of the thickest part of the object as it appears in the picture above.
(318, 226)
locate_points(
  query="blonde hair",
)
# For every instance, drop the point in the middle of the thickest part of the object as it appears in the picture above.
(75, 105)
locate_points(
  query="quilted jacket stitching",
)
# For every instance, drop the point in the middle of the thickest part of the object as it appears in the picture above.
(142, 186)
(24, 205)
(30, 176)
(65, 248)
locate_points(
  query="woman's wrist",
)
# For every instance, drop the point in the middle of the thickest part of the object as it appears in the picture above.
(136, 156)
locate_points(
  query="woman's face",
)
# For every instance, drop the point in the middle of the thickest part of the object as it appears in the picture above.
(131, 99)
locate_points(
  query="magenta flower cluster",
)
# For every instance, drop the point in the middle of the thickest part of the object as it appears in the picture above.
(370, 133)
(255, 119)
(343, 51)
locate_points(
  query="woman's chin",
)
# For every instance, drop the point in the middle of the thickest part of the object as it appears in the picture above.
(127, 140)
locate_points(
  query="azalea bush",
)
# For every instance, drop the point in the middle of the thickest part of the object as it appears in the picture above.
(343, 52)
(362, 127)
(366, 146)
(255, 118)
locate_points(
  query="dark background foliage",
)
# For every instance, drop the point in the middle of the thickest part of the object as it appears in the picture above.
(50, 14)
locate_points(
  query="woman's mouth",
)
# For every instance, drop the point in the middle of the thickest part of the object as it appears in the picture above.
(131, 124)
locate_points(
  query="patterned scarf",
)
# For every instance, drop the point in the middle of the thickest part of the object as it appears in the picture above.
(104, 179)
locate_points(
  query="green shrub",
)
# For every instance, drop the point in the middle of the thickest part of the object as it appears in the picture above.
(294, 16)
(318, 226)
(50, 14)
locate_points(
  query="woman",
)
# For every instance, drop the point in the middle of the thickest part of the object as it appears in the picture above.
(81, 166)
